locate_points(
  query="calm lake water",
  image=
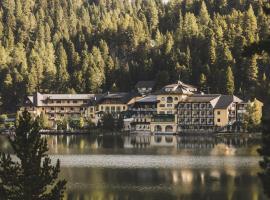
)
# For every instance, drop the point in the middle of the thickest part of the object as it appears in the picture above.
(156, 167)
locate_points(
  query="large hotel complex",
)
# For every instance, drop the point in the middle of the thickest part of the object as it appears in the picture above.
(175, 108)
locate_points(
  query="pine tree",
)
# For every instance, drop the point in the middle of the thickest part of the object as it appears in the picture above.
(252, 71)
(33, 176)
(204, 17)
(62, 76)
(250, 25)
(229, 81)
(202, 81)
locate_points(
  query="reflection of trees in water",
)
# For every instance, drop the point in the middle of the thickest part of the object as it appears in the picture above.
(192, 142)
(82, 143)
(209, 142)
(189, 184)
(111, 141)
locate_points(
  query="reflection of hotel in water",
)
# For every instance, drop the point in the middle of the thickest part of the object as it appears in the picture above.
(183, 141)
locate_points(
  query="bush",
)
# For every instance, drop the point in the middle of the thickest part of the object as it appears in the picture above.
(3, 118)
(108, 122)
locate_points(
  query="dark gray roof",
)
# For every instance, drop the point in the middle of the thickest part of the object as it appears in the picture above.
(226, 100)
(121, 97)
(145, 84)
(201, 98)
(148, 99)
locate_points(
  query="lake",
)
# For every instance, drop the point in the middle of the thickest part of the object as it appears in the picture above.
(147, 167)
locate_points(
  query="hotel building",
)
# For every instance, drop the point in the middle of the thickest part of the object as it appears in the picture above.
(175, 108)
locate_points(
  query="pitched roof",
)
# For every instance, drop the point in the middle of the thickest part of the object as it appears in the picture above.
(201, 98)
(148, 99)
(178, 88)
(226, 100)
(37, 99)
(121, 97)
(145, 84)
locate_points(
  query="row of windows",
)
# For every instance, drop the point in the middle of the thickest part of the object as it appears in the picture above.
(168, 112)
(196, 121)
(112, 108)
(195, 105)
(169, 99)
(196, 113)
(63, 109)
(67, 101)
(167, 105)
(63, 115)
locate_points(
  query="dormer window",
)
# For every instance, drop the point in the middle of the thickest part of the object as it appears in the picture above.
(168, 89)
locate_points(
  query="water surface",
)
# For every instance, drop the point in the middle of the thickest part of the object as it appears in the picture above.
(157, 167)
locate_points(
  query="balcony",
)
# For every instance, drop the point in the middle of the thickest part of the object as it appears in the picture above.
(163, 118)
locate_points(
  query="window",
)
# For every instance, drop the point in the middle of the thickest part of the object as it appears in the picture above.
(52, 108)
(68, 101)
(169, 99)
(84, 101)
(113, 108)
(62, 115)
(163, 99)
(162, 105)
(169, 129)
(74, 101)
(118, 108)
(81, 109)
(169, 105)
(71, 108)
(176, 98)
(52, 115)
(58, 101)
(102, 108)
(124, 108)
(62, 108)
(218, 112)
(218, 120)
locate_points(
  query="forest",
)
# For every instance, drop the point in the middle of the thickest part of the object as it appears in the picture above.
(94, 46)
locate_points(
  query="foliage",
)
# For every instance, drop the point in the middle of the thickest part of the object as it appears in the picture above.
(252, 119)
(264, 151)
(108, 122)
(120, 123)
(3, 118)
(33, 176)
(62, 124)
(91, 46)
(76, 124)
(90, 124)
(44, 121)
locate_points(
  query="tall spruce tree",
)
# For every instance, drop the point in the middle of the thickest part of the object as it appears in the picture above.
(32, 177)
(229, 81)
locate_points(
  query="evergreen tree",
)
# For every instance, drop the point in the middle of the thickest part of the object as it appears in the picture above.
(33, 176)
(62, 76)
(229, 81)
(202, 81)
(252, 71)
(204, 17)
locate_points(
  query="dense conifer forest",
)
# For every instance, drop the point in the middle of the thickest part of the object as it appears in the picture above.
(83, 46)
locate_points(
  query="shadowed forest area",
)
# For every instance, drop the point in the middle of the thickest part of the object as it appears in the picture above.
(87, 46)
